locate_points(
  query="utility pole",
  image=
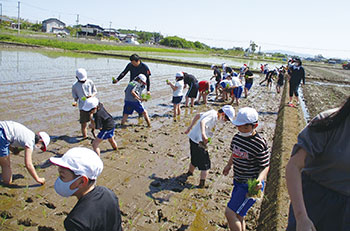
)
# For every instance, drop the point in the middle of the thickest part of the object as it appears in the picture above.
(110, 28)
(77, 24)
(0, 13)
(19, 20)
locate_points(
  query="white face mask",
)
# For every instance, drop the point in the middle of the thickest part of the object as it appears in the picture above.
(246, 134)
(62, 188)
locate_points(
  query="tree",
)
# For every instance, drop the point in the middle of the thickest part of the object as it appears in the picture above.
(252, 46)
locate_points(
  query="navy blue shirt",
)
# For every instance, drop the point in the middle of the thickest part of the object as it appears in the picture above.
(96, 211)
(189, 79)
(103, 119)
(135, 71)
(296, 75)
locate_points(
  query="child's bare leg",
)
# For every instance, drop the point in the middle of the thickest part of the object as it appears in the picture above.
(6, 173)
(174, 111)
(113, 143)
(125, 118)
(191, 169)
(186, 101)
(205, 96)
(234, 223)
(95, 144)
(145, 115)
(192, 102)
(178, 109)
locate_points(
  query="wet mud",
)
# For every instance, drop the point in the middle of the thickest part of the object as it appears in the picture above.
(146, 172)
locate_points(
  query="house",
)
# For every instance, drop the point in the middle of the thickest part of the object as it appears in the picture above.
(110, 32)
(90, 30)
(53, 25)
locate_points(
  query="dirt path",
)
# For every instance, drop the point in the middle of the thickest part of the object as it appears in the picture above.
(143, 173)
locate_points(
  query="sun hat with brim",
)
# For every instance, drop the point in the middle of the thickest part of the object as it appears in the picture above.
(246, 115)
(46, 140)
(179, 75)
(90, 103)
(143, 78)
(229, 111)
(82, 161)
(81, 74)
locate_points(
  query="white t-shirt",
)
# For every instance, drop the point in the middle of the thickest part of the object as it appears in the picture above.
(18, 135)
(80, 89)
(226, 83)
(180, 87)
(210, 118)
(236, 82)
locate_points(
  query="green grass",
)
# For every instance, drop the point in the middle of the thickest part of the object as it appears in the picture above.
(77, 46)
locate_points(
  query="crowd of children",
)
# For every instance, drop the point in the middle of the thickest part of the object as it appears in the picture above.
(250, 153)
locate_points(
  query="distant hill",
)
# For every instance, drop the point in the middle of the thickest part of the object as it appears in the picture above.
(291, 53)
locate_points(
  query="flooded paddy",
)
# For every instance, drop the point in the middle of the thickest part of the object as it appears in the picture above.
(36, 91)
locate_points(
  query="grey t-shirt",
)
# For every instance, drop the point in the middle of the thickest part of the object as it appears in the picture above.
(328, 155)
(133, 86)
(80, 89)
(18, 135)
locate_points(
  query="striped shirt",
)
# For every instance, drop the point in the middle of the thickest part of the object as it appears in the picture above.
(250, 156)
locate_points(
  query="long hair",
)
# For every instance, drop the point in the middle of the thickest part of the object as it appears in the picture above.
(333, 120)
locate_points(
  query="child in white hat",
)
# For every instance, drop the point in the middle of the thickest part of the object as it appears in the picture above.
(250, 158)
(102, 120)
(133, 99)
(78, 170)
(199, 132)
(177, 93)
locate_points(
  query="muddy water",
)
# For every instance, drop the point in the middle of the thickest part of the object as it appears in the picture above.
(36, 91)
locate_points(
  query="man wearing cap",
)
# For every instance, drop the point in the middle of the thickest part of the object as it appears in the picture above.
(297, 74)
(133, 99)
(199, 133)
(14, 135)
(136, 67)
(83, 89)
(102, 120)
(250, 159)
(97, 208)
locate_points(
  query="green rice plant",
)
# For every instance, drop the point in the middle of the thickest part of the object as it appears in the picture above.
(44, 213)
(252, 189)
(146, 96)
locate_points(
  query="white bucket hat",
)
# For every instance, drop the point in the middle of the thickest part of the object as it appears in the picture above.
(229, 111)
(81, 74)
(90, 103)
(143, 78)
(46, 140)
(82, 161)
(246, 115)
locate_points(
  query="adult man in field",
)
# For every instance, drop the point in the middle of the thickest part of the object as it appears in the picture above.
(296, 73)
(136, 67)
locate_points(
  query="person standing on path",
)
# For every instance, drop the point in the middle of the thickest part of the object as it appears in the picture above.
(250, 159)
(14, 135)
(200, 132)
(248, 81)
(136, 67)
(83, 89)
(97, 208)
(318, 173)
(193, 87)
(297, 74)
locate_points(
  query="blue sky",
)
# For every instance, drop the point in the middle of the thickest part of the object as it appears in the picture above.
(308, 26)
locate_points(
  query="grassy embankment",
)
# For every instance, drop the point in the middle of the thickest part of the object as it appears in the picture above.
(81, 46)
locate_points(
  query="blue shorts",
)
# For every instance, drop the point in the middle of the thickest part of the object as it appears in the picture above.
(176, 99)
(106, 134)
(238, 92)
(129, 107)
(239, 203)
(248, 85)
(4, 144)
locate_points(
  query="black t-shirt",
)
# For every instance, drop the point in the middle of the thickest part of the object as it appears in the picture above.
(217, 74)
(189, 79)
(135, 71)
(228, 70)
(96, 211)
(103, 119)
